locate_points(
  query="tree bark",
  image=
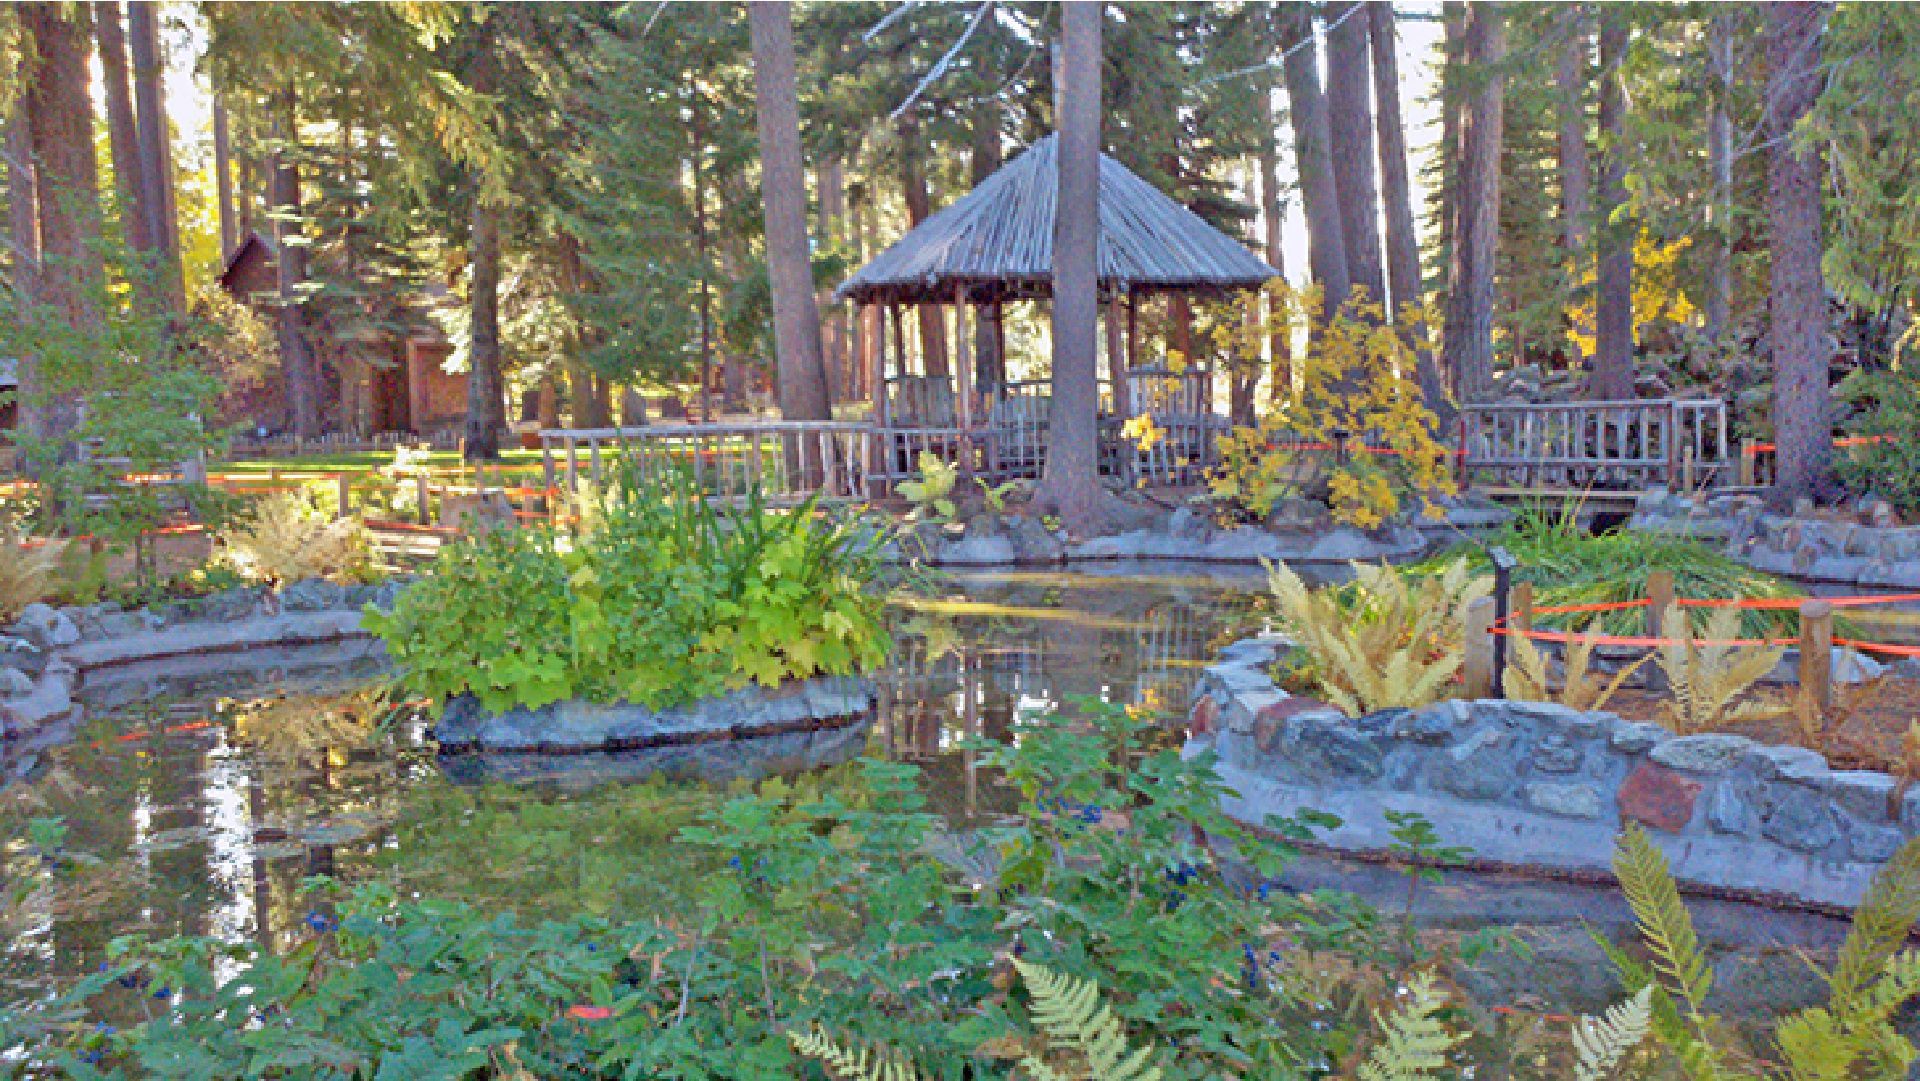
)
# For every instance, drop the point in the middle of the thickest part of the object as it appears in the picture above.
(1719, 299)
(930, 318)
(1469, 327)
(290, 259)
(1576, 167)
(1313, 157)
(1350, 123)
(1396, 189)
(156, 152)
(486, 409)
(129, 182)
(986, 159)
(223, 179)
(1613, 304)
(1453, 23)
(67, 205)
(1272, 212)
(796, 320)
(833, 228)
(1071, 480)
(23, 210)
(1802, 418)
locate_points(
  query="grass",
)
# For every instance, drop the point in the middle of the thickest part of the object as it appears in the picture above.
(1568, 566)
(366, 462)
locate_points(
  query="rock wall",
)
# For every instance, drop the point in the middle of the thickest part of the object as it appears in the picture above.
(1882, 557)
(1539, 785)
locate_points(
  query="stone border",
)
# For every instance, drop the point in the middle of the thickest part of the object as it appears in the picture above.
(55, 660)
(1842, 553)
(1532, 785)
(1187, 535)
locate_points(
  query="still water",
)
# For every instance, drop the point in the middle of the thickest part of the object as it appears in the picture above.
(177, 828)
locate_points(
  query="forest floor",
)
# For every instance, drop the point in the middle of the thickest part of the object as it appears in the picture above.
(1865, 728)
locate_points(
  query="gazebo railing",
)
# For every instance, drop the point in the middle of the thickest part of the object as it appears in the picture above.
(789, 460)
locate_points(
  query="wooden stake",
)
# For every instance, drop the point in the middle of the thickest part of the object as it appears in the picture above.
(1477, 669)
(1520, 607)
(346, 494)
(1659, 599)
(1816, 651)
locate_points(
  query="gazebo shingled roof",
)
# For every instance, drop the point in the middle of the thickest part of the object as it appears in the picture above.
(998, 241)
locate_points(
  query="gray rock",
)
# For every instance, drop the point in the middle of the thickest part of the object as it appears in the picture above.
(1565, 718)
(1796, 764)
(14, 683)
(975, 549)
(1707, 753)
(312, 595)
(1800, 819)
(1853, 666)
(1864, 793)
(1431, 726)
(1032, 543)
(1567, 800)
(1479, 768)
(1869, 842)
(1632, 737)
(46, 627)
(1555, 753)
(1187, 523)
(1323, 746)
(1730, 809)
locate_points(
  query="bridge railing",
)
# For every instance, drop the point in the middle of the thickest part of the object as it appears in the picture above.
(789, 460)
(1611, 444)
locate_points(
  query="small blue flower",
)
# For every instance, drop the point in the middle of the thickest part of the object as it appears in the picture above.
(164, 993)
(320, 922)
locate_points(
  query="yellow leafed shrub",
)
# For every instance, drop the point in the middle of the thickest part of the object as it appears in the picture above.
(1349, 426)
(29, 571)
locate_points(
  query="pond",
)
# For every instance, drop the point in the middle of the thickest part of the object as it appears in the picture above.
(187, 833)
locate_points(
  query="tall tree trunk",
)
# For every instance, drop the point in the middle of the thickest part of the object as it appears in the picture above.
(1313, 157)
(486, 409)
(1350, 123)
(60, 119)
(704, 259)
(1802, 418)
(931, 318)
(796, 321)
(297, 363)
(1720, 165)
(1453, 95)
(1613, 304)
(1403, 242)
(1576, 169)
(586, 409)
(156, 151)
(1476, 231)
(986, 159)
(23, 210)
(129, 183)
(223, 178)
(833, 228)
(1272, 213)
(1071, 480)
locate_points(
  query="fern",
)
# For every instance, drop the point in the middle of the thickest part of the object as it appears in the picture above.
(287, 541)
(1599, 1043)
(1882, 922)
(865, 1063)
(1580, 688)
(1069, 1012)
(1414, 1044)
(1709, 677)
(1677, 957)
(28, 570)
(1390, 639)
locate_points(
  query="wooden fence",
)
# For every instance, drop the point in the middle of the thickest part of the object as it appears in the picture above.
(1681, 443)
(789, 460)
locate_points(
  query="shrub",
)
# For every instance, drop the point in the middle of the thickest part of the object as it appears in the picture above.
(654, 597)
(1888, 463)
(1355, 383)
(29, 571)
(289, 539)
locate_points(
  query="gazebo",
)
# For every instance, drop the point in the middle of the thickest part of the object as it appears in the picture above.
(995, 244)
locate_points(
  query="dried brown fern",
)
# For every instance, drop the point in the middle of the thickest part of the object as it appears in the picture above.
(1580, 687)
(29, 571)
(1711, 678)
(288, 540)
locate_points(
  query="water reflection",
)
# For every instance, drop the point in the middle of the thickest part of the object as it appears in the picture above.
(198, 835)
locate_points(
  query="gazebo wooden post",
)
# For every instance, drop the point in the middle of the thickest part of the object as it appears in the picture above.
(963, 376)
(873, 350)
(883, 408)
(1117, 361)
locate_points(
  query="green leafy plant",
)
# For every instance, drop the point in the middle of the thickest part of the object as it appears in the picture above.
(1853, 1035)
(1415, 1041)
(289, 539)
(932, 493)
(1711, 678)
(1389, 639)
(1887, 463)
(656, 597)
